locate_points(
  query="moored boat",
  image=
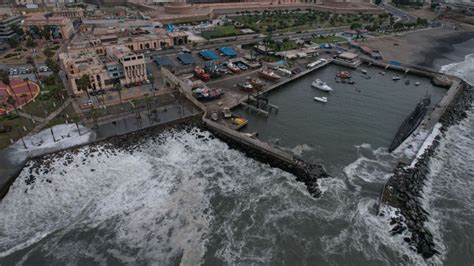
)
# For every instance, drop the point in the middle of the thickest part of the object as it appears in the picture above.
(321, 99)
(268, 74)
(319, 84)
(417, 83)
(396, 77)
(343, 74)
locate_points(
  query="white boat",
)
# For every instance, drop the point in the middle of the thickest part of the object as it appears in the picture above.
(321, 99)
(364, 71)
(396, 78)
(417, 83)
(319, 84)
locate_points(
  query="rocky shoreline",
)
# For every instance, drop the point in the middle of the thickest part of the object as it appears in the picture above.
(404, 189)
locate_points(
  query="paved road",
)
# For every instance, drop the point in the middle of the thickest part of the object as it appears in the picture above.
(403, 15)
(245, 39)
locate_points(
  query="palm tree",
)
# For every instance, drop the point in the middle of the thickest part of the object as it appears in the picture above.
(12, 102)
(27, 80)
(118, 88)
(6, 80)
(83, 84)
(147, 104)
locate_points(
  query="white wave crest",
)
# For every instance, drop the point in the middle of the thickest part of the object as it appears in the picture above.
(463, 70)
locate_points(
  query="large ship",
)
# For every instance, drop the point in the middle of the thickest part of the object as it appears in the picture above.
(411, 123)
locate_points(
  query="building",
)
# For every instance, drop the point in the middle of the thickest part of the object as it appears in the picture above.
(61, 27)
(6, 23)
(71, 13)
(136, 39)
(118, 65)
(43, 2)
(348, 59)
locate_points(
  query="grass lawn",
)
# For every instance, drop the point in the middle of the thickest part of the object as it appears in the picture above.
(284, 46)
(67, 114)
(16, 129)
(328, 39)
(220, 32)
(36, 108)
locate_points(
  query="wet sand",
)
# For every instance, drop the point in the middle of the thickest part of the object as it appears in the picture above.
(421, 47)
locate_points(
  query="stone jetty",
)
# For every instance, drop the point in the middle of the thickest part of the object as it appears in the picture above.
(404, 190)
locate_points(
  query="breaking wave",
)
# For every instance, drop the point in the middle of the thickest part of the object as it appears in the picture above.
(463, 70)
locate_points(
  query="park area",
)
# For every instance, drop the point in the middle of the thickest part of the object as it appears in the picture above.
(284, 20)
(17, 94)
(221, 32)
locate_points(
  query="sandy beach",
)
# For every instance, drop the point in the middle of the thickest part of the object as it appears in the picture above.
(420, 47)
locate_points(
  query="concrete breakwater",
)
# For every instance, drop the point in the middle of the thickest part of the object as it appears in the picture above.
(404, 188)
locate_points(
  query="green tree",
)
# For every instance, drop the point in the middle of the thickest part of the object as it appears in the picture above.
(52, 65)
(13, 42)
(46, 32)
(83, 84)
(30, 43)
(48, 53)
(355, 26)
(5, 78)
(17, 29)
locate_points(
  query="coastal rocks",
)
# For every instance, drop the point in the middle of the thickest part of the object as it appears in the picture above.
(404, 188)
(309, 175)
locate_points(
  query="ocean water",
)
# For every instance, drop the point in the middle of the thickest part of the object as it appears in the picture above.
(184, 197)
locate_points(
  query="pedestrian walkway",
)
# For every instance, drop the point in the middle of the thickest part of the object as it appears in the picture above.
(50, 117)
(30, 116)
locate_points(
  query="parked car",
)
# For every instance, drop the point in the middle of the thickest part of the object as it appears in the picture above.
(88, 103)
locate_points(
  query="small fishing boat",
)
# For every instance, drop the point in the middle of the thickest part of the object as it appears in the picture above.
(233, 68)
(207, 94)
(200, 73)
(351, 82)
(417, 83)
(364, 71)
(382, 73)
(343, 74)
(396, 77)
(319, 84)
(246, 86)
(321, 99)
(268, 74)
(256, 83)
